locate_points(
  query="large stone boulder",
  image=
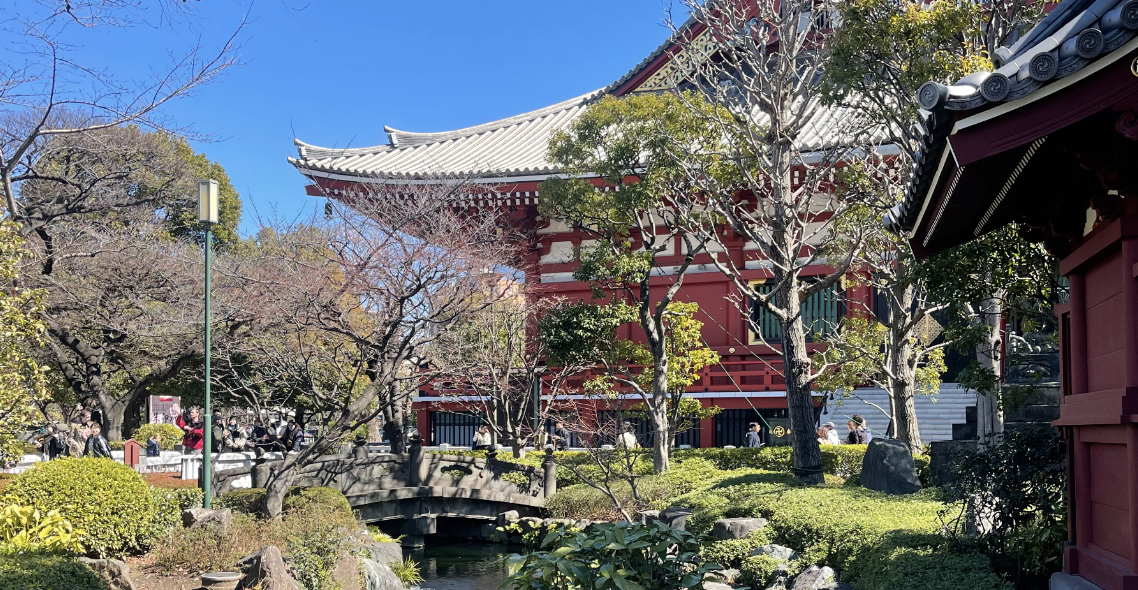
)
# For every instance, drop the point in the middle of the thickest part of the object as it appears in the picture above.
(114, 572)
(265, 570)
(815, 578)
(198, 517)
(346, 573)
(888, 467)
(676, 517)
(385, 553)
(736, 528)
(778, 552)
(378, 576)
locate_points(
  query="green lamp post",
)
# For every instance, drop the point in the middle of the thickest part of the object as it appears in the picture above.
(207, 215)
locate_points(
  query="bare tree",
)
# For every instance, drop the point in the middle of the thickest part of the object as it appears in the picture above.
(493, 365)
(366, 293)
(770, 182)
(87, 189)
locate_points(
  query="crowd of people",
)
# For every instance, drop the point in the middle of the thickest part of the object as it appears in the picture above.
(83, 436)
(229, 435)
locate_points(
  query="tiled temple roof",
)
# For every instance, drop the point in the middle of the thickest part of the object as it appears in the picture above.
(515, 146)
(1075, 34)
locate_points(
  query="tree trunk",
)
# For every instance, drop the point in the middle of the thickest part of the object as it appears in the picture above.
(518, 449)
(902, 392)
(279, 484)
(662, 441)
(796, 372)
(989, 413)
(114, 412)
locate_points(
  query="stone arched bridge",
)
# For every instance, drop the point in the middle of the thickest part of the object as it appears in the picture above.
(419, 493)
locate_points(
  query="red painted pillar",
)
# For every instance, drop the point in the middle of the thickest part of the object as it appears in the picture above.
(1078, 334)
(706, 428)
(423, 423)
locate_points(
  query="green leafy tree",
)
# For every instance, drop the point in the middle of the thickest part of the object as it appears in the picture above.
(620, 189)
(22, 382)
(879, 56)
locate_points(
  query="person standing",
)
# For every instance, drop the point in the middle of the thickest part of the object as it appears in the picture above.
(193, 427)
(627, 440)
(217, 432)
(832, 434)
(754, 438)
(52, 445)
(560, 436)
(154, 445)
(857, 435)
(482, 440)
(97, 445)
(291, 435)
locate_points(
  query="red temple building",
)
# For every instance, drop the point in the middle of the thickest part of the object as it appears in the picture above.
(1050, 141)
(501, 165)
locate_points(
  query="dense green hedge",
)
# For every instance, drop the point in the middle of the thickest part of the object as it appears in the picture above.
(109, 501)
(46, 571)
(876, 542)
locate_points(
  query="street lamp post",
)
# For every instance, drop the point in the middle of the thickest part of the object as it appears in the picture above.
(207, 215)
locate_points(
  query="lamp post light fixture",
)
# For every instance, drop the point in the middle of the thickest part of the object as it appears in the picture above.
(207, 215)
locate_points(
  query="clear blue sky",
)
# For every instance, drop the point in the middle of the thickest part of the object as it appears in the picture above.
(334, 72)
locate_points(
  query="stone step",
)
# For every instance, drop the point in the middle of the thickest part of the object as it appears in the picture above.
(1033, 413)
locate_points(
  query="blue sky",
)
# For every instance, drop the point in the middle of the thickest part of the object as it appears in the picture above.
(334, 72)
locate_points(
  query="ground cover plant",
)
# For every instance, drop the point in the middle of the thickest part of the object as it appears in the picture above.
(874, 541)
(620, 556)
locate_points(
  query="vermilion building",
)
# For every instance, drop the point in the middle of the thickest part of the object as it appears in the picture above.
(501, 165)
(1050, 140)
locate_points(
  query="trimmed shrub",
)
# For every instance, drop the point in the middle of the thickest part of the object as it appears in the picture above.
(109, 501)
(248, 501)
(332, 499)
(46, 571)
(171, 435)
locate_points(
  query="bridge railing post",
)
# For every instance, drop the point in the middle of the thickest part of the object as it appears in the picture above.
(415, 461)
(550, 466)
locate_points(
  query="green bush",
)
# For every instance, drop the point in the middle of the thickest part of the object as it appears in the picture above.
(46, 571)
(758, 571)
(248, 501)
(169, 504)
(330, 498)
(171, 435)
(731, 553)
(109, 501)
(252, 500)
(116, 445)
(613, 557)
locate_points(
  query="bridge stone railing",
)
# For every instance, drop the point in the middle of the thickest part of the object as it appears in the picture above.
(361, 476)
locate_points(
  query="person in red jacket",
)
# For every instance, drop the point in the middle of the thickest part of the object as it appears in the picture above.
(194, 429)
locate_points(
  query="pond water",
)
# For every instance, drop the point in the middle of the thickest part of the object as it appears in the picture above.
(469, 565)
